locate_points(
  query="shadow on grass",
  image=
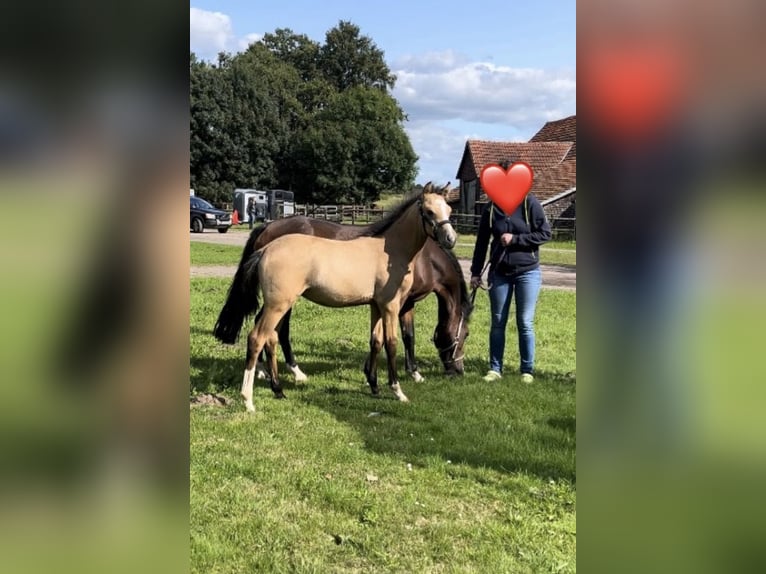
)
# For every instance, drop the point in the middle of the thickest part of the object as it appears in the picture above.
(216, 374)
(508, 426)
(460, 422)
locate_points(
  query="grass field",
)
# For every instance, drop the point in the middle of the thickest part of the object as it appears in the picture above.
(468, 477)
(552, 253)
(215, 254)
(558, 253)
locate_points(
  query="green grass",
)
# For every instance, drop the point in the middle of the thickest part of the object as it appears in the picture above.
(552, 253)
(214, 254)
(555, 252)
(314, 483)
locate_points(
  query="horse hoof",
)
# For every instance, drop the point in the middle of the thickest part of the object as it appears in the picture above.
(249, 407)
(402, 397)
(299, 375)
(417, 377)
(279, 395)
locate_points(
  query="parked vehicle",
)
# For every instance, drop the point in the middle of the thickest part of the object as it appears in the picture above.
(205, 216)
(269, 205)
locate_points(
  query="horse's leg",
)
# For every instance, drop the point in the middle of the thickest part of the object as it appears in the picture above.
(287, 348)
(260, 371)
(407, 325)
(389, 334)
(263, 330)
(255, 342)
(376, 342)
(271, 349)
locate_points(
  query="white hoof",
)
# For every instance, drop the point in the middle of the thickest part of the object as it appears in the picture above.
(260, 371)
(417, 377)
(399, 394)
(248, 402)
(299, 375)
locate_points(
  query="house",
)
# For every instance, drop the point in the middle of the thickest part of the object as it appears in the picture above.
(552, 155)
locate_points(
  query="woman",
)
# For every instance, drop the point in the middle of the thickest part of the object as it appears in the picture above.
(514, 266)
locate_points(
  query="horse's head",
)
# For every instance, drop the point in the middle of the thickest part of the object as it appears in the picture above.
(435, 213)
(450, 339)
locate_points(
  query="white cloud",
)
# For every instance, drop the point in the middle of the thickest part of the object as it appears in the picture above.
(521, 98)
(430, 61)
(439, 149)
(212, 32)
(449, 99)
(209, 32)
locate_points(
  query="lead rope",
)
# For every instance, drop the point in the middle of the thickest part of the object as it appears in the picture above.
(487, 264)
(491, 259)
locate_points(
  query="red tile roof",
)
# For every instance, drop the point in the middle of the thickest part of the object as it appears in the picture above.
(552, 154)
(553, 181)
(539, 155)
(550, 182)
(560, 131)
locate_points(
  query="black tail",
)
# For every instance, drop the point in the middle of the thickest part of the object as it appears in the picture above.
(242, 299)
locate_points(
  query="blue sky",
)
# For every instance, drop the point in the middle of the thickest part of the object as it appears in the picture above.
(481, 70)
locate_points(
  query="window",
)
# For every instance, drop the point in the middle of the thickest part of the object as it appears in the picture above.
(198, 203)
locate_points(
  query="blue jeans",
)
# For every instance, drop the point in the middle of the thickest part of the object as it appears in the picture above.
(527, 288)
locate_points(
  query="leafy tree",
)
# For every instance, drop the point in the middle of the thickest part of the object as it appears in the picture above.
(243, 112)
(210, 143)
(348, 59)
(298, 50)
(355, 149)
(291, 113)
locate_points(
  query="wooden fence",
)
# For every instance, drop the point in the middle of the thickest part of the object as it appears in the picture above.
(564, 228)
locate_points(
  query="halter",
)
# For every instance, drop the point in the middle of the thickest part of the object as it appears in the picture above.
(454, 344)
(434, 224)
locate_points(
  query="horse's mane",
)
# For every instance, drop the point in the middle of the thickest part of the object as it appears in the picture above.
(465, 300)
(379, 227)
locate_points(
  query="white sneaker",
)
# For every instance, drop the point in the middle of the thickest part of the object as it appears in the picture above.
(492, 376)
(527, 378)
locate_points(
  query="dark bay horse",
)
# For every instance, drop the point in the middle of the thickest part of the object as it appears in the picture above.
(374, 269)
(436, 270)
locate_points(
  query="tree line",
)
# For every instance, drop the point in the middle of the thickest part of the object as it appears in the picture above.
(291, 113)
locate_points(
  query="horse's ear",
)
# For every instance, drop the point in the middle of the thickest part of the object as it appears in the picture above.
(446, 188)
(428, 188)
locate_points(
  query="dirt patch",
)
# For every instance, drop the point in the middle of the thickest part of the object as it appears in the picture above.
(233, 237)
(209, 400)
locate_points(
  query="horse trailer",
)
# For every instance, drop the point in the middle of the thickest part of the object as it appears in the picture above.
(269, 205)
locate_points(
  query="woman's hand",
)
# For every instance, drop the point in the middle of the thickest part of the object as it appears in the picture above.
(505, 239)
(475, 282)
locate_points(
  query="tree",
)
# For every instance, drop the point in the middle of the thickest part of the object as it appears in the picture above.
(243, 113)
(210, 143)
(355, 149)
(298, 50)
(348, 59)
(291, 113)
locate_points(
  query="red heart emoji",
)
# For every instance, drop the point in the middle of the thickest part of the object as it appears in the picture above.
(507, 189)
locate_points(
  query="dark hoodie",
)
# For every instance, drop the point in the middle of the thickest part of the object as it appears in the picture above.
(530, 229)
